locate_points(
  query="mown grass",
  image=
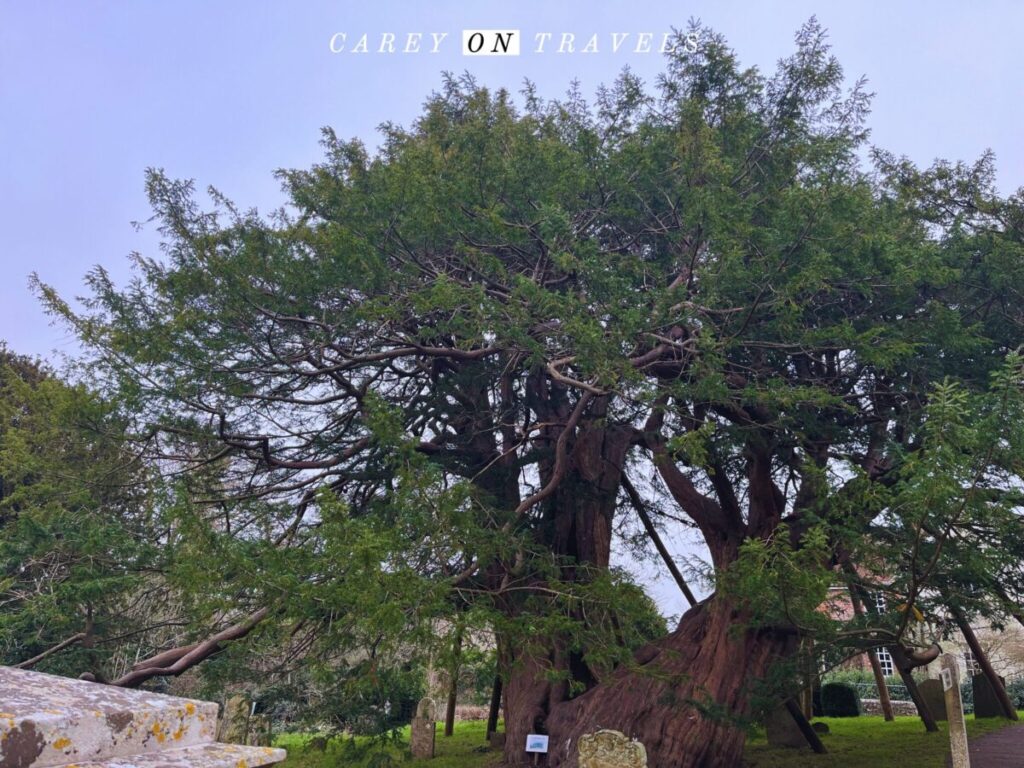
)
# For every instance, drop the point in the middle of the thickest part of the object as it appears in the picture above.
(854, 742)
(466, 748)
(868, 742)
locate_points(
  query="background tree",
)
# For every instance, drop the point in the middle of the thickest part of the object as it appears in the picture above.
(428, 385)
(77, 532)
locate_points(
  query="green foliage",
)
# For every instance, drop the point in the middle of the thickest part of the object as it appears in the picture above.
(779, 583)
(861, 676)
(408, 400)
(77, 526)
(840, 700)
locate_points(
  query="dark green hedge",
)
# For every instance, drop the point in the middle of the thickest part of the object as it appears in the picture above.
(840, 700)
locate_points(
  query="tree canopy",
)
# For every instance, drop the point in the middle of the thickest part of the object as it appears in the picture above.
(441, 380)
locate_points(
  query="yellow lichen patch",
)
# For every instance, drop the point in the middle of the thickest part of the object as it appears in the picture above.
(178, 733)
(190, 708)
(241, 764)
(62, 742)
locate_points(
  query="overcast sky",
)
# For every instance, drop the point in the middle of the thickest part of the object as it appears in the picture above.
(92, 93)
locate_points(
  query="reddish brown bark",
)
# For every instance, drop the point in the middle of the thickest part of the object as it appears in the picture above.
(189, 656)
(576, 527)
(682, 701)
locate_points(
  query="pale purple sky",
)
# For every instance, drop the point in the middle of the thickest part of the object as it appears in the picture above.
(91, 93)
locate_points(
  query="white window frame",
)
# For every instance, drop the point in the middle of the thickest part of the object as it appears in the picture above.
(885, 661)
(971, 664)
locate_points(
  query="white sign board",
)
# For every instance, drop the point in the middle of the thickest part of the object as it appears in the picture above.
(536, 742)
(947, 679)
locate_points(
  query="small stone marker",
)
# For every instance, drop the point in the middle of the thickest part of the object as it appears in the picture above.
(234, 725)
(781, 729)
(611, 749)
(955, 711)
(496, 740)
(260, 731)
(986, 703)
(421, 740)
(934, 698)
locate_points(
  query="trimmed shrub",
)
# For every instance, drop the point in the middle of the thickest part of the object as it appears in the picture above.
(1015, 688)
(840, 700)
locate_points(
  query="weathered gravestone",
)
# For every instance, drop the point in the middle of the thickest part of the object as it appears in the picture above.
(234, 723)
(934, 698)
(611, 749)
(261, 733)
(421, 740)
(986, 703)
(496, 740)
(781, 729)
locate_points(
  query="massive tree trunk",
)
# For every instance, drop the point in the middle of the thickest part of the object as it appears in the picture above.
(576, 527)
(682, 699)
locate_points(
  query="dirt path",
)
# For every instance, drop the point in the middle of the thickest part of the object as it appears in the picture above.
(1001, 749)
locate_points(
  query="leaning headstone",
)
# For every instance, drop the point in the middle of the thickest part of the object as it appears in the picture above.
(421, 740)
(986, 703)
(234, 725)
(781, 729)
(611, 749)
(260, 733)
(934, 698)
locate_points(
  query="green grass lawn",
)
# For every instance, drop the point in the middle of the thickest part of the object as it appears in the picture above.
(868, 742)
(465, 749)
(855, 742)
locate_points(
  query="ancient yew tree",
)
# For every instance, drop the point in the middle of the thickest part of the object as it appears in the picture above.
(445, 377)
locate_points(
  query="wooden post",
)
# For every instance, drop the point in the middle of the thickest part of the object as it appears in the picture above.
(876, 668)
(883, 688)
(453, 684)
(492, 714)
(641, 512)
(898, 658)
(1009, 710)
(922, 706)
(807, 694)
(805, 727)
(955, 712)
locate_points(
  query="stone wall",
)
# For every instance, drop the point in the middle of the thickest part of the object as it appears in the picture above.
(874, 707)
